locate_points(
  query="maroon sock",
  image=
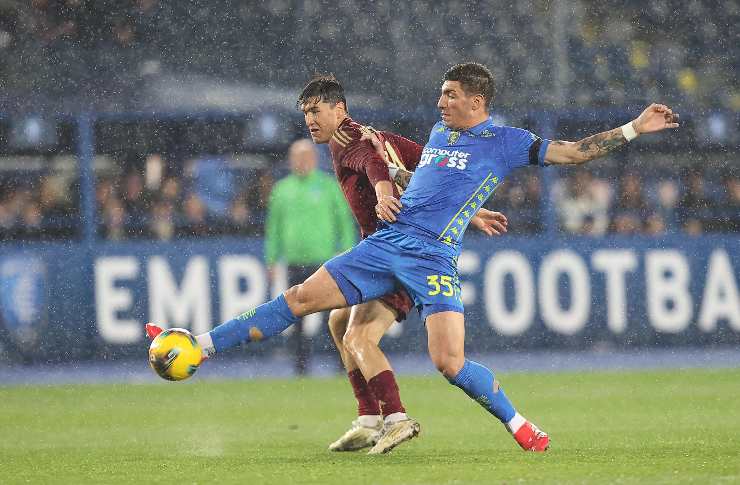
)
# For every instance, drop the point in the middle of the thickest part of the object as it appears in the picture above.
(367, 405)
(384, 387)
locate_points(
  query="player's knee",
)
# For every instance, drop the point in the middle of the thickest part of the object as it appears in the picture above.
(448, 364)
(298, 300)
(337, 324)
(350, 339)
(354, 340)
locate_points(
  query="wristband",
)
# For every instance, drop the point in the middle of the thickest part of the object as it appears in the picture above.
(392, 171)
(628, 131)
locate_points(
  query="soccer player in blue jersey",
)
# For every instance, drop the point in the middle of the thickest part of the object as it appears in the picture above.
(466, 158)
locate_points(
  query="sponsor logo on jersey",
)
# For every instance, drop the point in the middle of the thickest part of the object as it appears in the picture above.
(486, 133)
(441, 157)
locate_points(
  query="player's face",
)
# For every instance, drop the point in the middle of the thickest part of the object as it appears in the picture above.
(457, 108)
(322, 119)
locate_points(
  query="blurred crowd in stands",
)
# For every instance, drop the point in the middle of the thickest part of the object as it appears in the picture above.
(201, 201)
(34, 208)
(684, 52)
(600, 53)
(631, 204)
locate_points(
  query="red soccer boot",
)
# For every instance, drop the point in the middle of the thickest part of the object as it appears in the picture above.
(152, 330)
(531, 438)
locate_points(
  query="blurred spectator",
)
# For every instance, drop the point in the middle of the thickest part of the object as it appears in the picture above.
(258, 198)
(54, 197)
(308, 222)
(519, 199)
(240, 217)
(728, 208)
(135, 202)
(630, 207)
(114, 220)
(667, 202)
(693, 227)
(195, 222)
(630, 197)
(655, 225)
(30, 224)
(170, 190)
(162, 220)
(694, 204)
(627, 223)
(582, 203)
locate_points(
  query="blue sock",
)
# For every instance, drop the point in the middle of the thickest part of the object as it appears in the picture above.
(265, 321)
(478, 383)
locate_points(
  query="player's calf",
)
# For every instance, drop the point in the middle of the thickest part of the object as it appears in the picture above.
(480, 384)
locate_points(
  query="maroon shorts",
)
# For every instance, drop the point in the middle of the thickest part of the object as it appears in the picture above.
(400, 302)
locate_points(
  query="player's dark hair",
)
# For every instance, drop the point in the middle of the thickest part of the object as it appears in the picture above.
(475, 79)
(325, 88)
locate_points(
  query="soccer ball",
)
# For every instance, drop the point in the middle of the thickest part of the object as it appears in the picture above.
(175, 354)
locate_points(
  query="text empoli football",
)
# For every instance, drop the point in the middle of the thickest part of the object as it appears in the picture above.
(174, 354)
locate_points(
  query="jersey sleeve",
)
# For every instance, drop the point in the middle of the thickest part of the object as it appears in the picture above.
(361, 156)
(409, 151)
(523, 148)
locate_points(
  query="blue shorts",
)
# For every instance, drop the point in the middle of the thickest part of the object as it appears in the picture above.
(389, 260)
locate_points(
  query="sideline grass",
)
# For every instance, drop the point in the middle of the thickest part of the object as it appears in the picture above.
(680, 426)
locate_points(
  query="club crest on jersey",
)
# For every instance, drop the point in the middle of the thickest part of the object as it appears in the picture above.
(453, 137)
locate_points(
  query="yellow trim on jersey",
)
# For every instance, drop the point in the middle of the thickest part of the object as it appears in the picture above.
(342, 136)
(394, 158)
(337, 140)
(452, 221)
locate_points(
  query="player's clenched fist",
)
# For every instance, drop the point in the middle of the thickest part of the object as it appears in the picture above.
(387, 208)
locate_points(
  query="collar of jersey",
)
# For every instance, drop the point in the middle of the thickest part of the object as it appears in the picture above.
(312, 175)
(477, 129)
(480, 127)
(346, 121)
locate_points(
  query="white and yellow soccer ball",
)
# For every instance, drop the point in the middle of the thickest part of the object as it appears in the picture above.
(175, 354)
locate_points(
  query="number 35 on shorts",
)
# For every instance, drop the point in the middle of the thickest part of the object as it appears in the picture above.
(443, 284)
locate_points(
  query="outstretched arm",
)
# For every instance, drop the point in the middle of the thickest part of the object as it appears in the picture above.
(656, 117)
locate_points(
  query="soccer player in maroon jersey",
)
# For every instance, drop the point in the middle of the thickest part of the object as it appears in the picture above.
(361, 158)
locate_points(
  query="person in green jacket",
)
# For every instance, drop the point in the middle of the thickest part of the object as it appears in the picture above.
(308, 222)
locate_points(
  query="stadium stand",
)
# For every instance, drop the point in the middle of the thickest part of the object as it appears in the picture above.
(103, 54)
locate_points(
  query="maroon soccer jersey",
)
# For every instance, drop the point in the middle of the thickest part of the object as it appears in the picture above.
(358, 168)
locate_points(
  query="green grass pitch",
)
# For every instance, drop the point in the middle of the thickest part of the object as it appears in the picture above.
(679, 426)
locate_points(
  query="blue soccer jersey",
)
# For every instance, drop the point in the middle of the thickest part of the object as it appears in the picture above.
(457, 173)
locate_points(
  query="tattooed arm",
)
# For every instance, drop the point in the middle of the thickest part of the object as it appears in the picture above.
(656, 117)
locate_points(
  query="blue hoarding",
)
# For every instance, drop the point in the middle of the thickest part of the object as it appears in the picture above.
(79, 301)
